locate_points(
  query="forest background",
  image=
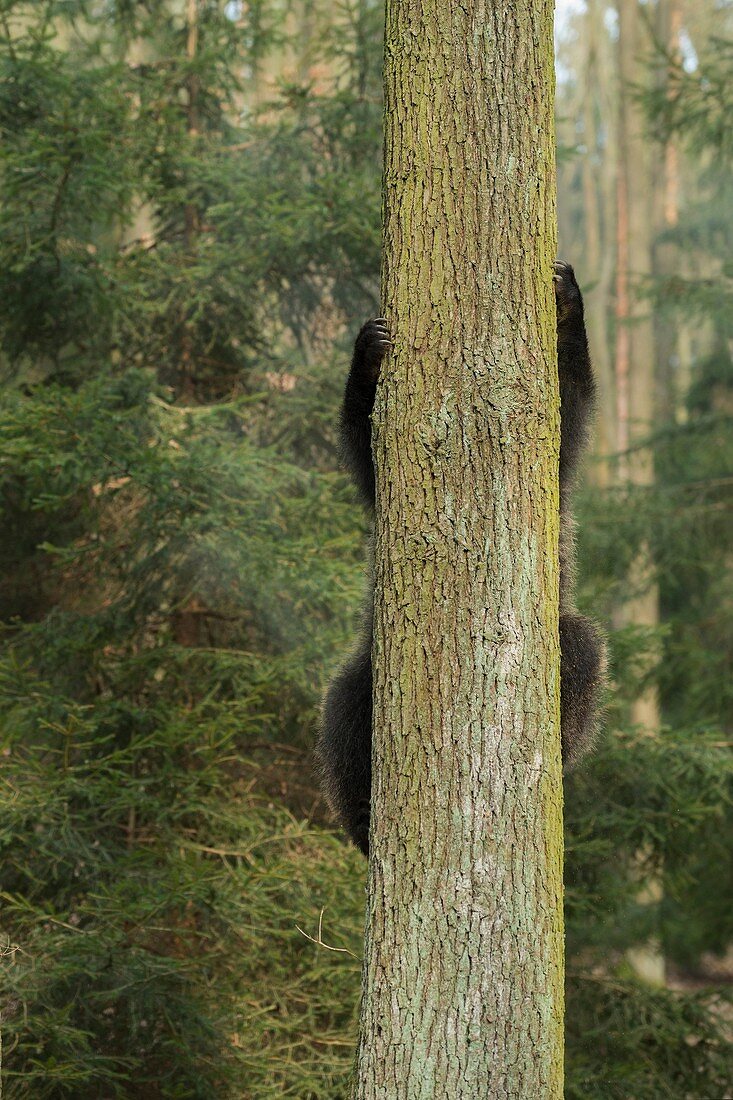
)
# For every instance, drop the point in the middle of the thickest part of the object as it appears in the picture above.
(189, 239)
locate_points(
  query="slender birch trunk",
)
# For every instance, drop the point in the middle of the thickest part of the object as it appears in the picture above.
(463, 974)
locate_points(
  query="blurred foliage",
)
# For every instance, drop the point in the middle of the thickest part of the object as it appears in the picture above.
(181, 561)
(182, 257)
(650, 820)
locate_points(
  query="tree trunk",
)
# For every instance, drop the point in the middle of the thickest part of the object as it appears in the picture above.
(623, 312)
(463, 974)
(641, 608)
(666, 258)
(598, 193)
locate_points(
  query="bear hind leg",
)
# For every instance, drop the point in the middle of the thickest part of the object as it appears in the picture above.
(582, 669)
(345, 747)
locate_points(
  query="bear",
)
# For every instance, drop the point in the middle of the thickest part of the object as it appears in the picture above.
(343, 751)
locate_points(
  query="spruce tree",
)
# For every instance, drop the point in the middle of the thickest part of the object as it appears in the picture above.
(177, 554)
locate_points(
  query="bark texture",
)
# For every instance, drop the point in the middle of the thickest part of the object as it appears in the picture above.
(463, 973)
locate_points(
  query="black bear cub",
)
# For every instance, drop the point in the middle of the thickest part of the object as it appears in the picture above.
(344, 748)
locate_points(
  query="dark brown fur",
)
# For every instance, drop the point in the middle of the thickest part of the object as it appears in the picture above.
(344, 748)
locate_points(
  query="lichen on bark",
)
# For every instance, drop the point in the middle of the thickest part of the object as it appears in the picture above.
(463, 973)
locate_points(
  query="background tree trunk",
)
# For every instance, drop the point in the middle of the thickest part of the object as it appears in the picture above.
(463, 975)
(636, 330)
(596, 251)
